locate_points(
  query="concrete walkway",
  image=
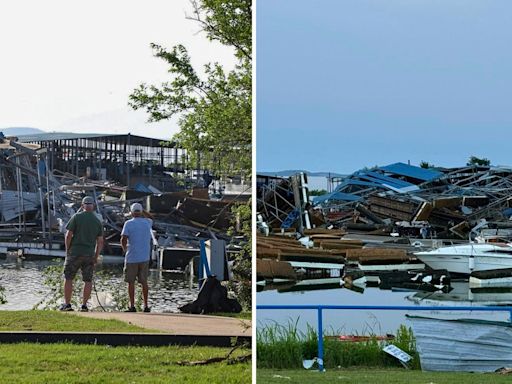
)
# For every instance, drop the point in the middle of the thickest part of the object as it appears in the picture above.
(180, 323)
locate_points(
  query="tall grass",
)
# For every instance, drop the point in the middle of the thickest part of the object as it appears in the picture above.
(285, 346)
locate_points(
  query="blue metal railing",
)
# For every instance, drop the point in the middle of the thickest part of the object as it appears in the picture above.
(320, 308)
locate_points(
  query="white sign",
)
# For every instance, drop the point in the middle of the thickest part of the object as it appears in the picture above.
(398, 353)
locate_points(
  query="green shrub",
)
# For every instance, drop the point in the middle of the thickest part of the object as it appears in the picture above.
(284, 347)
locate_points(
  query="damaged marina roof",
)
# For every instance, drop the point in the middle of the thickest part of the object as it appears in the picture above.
(402, 169)
(55, 136)
(37, 200)
(451, 201)
(397, 177)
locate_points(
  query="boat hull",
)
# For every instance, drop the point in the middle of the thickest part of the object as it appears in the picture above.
(465, 259)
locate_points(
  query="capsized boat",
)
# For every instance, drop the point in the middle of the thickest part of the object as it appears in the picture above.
(467, 258)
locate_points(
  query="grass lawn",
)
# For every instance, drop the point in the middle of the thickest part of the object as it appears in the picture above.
(63, 322)
(380, 376)
(70, 363)
(245, 315)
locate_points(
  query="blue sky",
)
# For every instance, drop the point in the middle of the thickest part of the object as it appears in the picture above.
(343, 84)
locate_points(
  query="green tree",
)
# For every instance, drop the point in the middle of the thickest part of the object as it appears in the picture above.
(215, 109)
(473, 160)
(242, 266)
(426, 165)
(215, 114)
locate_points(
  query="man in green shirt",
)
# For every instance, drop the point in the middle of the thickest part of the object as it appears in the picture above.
(84, 241)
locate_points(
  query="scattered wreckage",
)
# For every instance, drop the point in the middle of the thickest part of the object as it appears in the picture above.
(380, 221)
(36, 202)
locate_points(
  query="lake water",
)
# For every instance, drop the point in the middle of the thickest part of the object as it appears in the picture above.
(23, 282)
(374, 322)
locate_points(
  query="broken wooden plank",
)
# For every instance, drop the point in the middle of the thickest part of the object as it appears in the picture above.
(325, 231)
(376, 253)
(271, 269)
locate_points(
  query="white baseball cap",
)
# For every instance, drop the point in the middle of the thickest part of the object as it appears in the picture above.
(136, 207)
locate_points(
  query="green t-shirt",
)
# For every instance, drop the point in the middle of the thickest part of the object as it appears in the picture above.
(86, 228)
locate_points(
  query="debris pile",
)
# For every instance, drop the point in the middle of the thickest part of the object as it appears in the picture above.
(398, 198)
(374, 221)
(36, 202)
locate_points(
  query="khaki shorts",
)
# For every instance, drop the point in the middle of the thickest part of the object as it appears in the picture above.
(136, 270)
(73, 263)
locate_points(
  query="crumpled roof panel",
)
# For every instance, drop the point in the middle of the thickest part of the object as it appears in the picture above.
(419, 173)
(339, 196)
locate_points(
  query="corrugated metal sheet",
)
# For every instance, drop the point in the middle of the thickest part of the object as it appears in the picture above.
(134, 139)
(10, 206)
(382, 179)
(462, 344)
(339, 196)
(60, 136)
(412, 171)
(350, 182)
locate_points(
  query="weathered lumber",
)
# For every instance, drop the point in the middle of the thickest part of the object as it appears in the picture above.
(339, 245)
(324, 236)
(270, 269)
(392, 204)
(376, 253)
(319, 231)
(264, 252)
(328, 258)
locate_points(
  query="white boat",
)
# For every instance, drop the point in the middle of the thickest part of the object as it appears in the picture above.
(467, 258)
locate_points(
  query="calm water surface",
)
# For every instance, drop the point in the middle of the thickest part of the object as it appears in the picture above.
(372, 322)
(23, 281)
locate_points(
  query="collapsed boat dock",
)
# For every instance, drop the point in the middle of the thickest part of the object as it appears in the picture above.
(44, 177)
(380, 222)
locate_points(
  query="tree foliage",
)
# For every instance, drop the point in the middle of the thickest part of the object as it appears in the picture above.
(483, 162)
(242, 266)
(426, 165)
(215, 114)
(214, 109)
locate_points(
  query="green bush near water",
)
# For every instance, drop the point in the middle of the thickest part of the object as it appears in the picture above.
(284, 347)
